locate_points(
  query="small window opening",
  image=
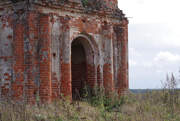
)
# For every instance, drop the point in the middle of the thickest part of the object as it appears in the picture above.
(83, 20)
(54, 55)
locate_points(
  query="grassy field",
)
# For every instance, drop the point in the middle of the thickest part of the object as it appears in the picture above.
(161, 105)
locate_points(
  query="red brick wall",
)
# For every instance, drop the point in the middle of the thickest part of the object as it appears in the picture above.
(108, 76)
(18, 67)
(31, 61)
(66, 79)
(91, 79)
(32, 56)
(45, 57)
(55, 86)
(122, 41)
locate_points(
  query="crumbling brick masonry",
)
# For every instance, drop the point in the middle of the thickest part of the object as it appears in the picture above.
(54, 47)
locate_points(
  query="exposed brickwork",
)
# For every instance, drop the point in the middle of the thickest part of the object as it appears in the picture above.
(18, 66)
(31, 62)
(66, 89)
(122, 43)
(37, 58)
(91, 79)
(108, 78)
(45, 57)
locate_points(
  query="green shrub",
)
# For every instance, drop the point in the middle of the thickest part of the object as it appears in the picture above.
(97, 98)
(84, 3)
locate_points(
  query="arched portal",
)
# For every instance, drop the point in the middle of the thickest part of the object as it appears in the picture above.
(82, 66)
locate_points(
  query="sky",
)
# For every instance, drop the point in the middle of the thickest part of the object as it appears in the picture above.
(154, 41)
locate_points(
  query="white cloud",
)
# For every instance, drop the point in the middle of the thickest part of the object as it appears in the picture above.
(153, 40)
(151, 68)
(167, 56)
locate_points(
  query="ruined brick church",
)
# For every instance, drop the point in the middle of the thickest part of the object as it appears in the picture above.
(56, 47)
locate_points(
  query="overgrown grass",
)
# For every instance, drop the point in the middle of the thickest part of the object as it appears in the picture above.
(95, 105)
(151, 106)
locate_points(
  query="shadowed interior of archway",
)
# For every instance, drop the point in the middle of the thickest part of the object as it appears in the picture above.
(78, 68)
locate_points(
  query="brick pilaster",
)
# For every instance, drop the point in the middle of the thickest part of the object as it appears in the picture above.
(45, 59)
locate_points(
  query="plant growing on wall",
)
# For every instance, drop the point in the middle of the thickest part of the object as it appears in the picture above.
(84, 3)
(92, 4)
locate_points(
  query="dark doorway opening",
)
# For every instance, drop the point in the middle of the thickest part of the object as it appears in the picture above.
(78, 69)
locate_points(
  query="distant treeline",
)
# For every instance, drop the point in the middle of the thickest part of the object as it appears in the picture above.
(146, 90)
